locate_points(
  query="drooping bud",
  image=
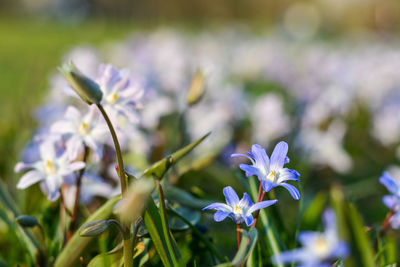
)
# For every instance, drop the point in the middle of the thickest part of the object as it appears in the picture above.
(27, 221)
(196, 89)
(131, 207)
(94, 228)
(85, 87)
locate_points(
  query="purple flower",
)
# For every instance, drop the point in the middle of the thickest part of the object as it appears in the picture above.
(318, 249)
(392, 201)
(238, 210)
(82, 130)
(51, 169)
(270, 171)
(121, 98)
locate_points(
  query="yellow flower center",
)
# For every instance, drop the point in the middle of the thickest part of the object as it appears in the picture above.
(49, 167)
(83, 128)
(237, 210)
(112, 98)
(321, 246)
(272, 176)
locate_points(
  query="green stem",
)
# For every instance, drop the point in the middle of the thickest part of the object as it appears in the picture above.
(128, 257)
(117, 150)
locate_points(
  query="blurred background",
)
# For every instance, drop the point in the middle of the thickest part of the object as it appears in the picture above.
(322, 75)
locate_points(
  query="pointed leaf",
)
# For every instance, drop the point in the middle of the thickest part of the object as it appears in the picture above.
(159, 168)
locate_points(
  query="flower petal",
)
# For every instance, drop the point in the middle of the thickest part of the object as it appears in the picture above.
(29, 179)
(220, 215)
(245, 202)
(391, 201)
(288, 175)
(278, 156)
(249, 220)
(292, 190)
(231, 197)
(250, 170)
(260, 155)
(219, 206)
(389, 182)
(237, 155)
(267, 186)
(261, 205)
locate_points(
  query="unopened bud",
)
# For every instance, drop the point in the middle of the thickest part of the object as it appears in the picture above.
(196, 89)
(27, 221)
(85, 87)
(131, 207)
(94, 228)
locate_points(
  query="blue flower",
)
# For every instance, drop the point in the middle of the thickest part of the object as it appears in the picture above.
(318, 249)
(270, 171)
(238, 210)
(392, 201)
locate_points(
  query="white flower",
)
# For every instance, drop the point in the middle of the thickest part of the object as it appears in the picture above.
(121, 98)
(82, 130)
(51, 169)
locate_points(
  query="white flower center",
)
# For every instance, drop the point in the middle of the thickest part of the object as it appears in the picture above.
(49, 167)
(238, 210)
(272, 176)
(321, 246)
(112, 98)
(84, 128)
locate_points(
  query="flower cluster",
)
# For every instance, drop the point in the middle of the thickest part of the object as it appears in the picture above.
(318, 248)
(64, 142)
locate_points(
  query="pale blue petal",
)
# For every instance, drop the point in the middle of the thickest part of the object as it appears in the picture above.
(341, 250)
(329, 219)
(307, 237)
(29, 179)
(290, 256)
(292, 190)
(219, 206)
(287, 160)
(249, 220)
(231, 197)
(245, 202)
(220, 215)
(391, 201)
(267, 186)
(260, 155)
(286, 174)
(387, 180)
(243, 155)
(250, 170)
(279, 155)
(395, 221)
(261, 205)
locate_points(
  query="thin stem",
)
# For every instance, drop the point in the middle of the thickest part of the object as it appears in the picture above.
(259, 192)
(385, 227)
(128, 257)
(135, 232)
(77, 194)
(117, 149)
(258, 211)
(238, 234)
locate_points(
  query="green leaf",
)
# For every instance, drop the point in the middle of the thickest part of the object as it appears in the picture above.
(9, 216)
(312, 214)
(247, 244)
(159, 168)
(153, 224)
(173, 250)
(175, 223)
(360, 237)
(75, 247)
(107, 260)
(273, 240)
(178, 195)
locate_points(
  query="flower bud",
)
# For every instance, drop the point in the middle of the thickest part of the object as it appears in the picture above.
(94, 228)
(196, 90)
(27, 221)
(131, 208)
(85, 87)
